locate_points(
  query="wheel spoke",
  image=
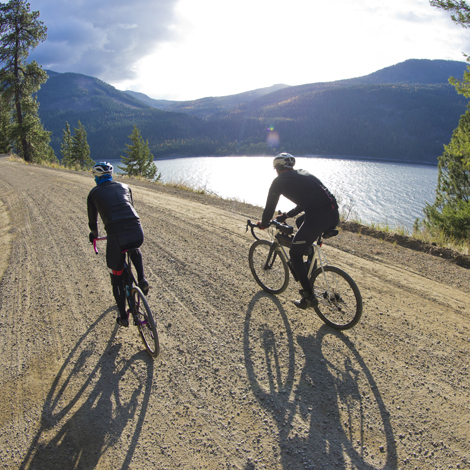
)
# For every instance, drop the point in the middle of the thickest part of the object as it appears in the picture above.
(145, 322)
(269, 267)
(339, 299)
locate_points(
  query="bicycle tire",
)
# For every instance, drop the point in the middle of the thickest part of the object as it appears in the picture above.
(145, 322)
(269, 267)
(339, 298)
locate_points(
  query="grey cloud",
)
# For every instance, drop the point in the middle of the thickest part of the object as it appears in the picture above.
(102, 38)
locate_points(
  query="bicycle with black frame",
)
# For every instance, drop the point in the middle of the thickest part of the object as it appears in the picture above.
(339, 298)
(138, 305)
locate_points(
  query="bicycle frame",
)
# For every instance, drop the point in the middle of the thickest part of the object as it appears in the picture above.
(317, 258)
(339, 301)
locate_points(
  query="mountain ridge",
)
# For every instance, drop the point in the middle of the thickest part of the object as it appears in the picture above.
(407, 111)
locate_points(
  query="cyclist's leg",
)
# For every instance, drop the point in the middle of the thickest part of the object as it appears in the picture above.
(135, 239)
(302, 241)
(313, 225)
(299, 221)
(115, 262)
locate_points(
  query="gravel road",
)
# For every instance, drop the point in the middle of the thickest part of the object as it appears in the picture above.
(244, 380)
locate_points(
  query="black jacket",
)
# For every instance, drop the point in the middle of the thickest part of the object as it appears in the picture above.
(303, 189)
(113, 202)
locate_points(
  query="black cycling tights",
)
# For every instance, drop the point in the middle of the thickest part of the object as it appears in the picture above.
(117, 282)
(115, 257)
(117, 244)
(119, 294)
(311, 226)
(136, 258)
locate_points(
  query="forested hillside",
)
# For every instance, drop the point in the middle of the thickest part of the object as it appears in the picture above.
(404, 112)
(206, 107)
(409, 122)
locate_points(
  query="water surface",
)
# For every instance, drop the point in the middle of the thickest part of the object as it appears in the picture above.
(387, 193)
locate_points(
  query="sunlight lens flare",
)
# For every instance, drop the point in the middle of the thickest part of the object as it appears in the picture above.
(272, 139)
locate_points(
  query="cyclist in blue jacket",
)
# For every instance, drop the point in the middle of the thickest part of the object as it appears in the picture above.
(113, 202)
(320, 214)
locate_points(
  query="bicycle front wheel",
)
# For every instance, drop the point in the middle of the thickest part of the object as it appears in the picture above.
(339, 299)
(269, 267)
(144, 318)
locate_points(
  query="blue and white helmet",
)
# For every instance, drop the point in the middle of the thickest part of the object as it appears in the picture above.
(102, 168)
(284, 160)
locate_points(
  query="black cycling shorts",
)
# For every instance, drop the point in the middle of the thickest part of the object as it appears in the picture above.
(311, 226)
(116, 244)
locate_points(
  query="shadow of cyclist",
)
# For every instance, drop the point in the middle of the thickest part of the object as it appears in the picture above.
(86, 422)
(279, 373)
(332, 395)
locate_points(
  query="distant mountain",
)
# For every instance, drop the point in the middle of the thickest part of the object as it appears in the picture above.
(404, 112)
(77, 92)
(108, 116)
(410, 72)
(414, 71)
(206, 107)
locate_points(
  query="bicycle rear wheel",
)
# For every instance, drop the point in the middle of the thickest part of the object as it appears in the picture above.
(269, 267)
(145, 322)
(339, 299)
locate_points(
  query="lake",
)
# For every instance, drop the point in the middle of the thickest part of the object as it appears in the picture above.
(387, 193)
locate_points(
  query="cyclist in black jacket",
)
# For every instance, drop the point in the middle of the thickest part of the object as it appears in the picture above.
(320, 214)
(113, 202)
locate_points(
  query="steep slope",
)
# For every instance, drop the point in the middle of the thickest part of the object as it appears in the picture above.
(108, 115)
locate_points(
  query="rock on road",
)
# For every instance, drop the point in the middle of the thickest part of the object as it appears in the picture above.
(244, 379)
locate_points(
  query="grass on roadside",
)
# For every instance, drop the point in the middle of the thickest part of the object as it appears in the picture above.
(422, 232)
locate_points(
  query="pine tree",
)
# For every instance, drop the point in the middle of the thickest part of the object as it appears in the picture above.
(460, 10)
(139, 160)
(20, 32)
(451, 210)
(80, 150)
(5, 125)
(66, 146)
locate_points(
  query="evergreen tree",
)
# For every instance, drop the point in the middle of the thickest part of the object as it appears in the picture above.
(5, 124)
(139, 160)
(66, 146)
(80, 150)
(20, 32)
(460, 10)
(451, 210)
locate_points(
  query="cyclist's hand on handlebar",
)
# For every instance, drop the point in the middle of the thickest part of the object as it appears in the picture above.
(281, 218)
(258, 224)
(92, 236)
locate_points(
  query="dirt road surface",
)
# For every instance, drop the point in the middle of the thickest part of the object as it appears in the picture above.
(244, 380)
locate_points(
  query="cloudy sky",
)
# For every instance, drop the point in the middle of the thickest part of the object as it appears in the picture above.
(189, 49)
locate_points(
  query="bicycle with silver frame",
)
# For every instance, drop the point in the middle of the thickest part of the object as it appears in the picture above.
(339, 298)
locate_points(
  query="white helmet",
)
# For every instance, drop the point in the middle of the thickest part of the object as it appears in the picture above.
(102, 168)
(285, 160)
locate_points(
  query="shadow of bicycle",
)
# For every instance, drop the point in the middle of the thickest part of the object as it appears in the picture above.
(85, 412)
(328, 410)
